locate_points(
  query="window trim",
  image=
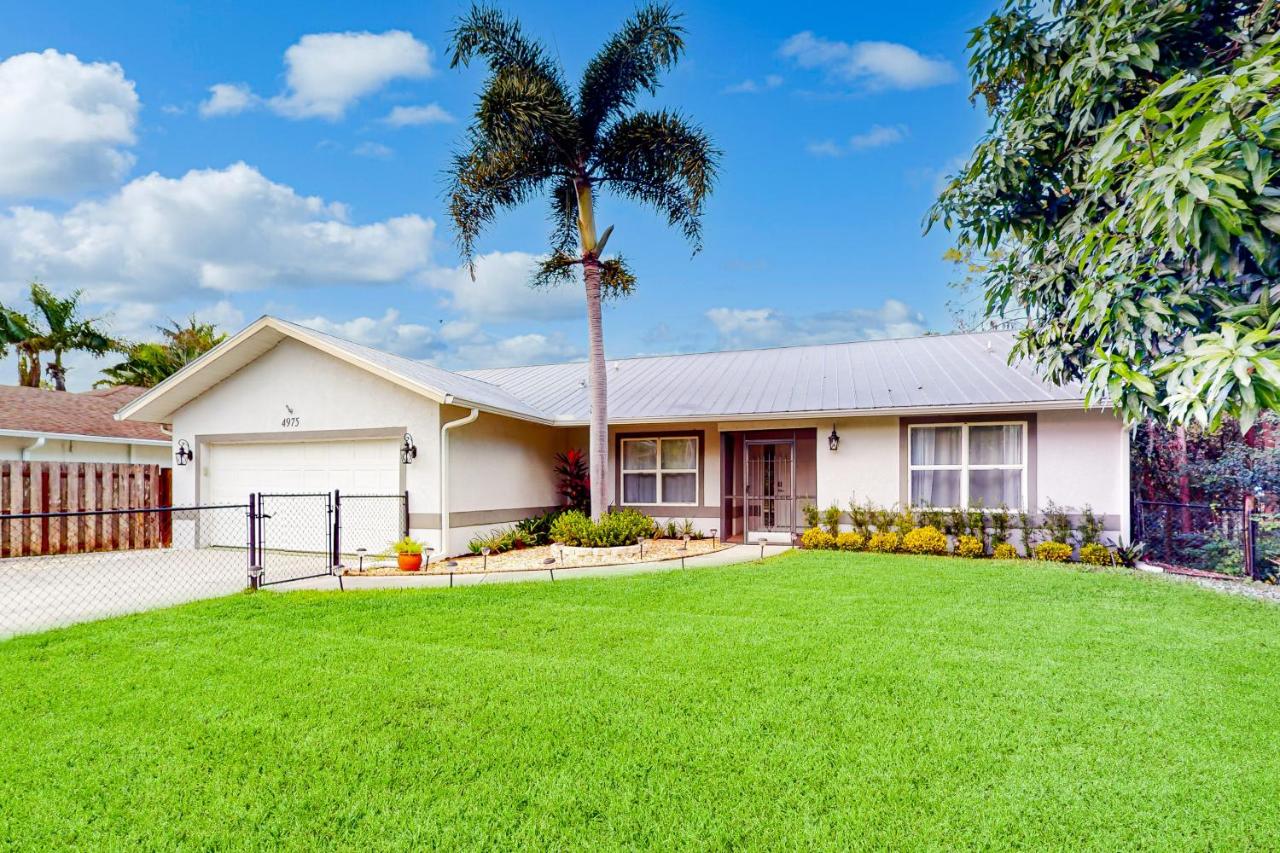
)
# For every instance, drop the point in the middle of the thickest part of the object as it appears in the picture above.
(964, 467)
(658, 470)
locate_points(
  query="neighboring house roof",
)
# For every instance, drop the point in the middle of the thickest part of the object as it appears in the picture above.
(961, 371)
(932, 373)
(39, 412)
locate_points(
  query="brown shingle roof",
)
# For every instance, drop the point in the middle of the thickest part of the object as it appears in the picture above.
(36, 410)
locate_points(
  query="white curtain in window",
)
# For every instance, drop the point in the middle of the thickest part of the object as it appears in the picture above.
(991, 487)
(640, 488)
(640, 455)
(679, 488)
(936, 445)
(935, 488)
(679, 453)
(997, 444)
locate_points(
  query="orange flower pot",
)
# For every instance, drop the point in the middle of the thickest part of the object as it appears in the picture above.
(409, 562)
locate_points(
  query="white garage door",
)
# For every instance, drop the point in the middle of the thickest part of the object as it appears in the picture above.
(354, 467)
(363, 466)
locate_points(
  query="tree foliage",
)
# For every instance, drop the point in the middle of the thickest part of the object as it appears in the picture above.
(149, 363)
(1125, 195)
(55, 325)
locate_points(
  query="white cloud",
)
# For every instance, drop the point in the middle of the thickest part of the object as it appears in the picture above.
(223, 230)
(376, 150)
(388, 332)
(533, 348)
(325, 73)
(412, 116)
(227, 99)
(747, 327)
(875, 64)
(65, 125)
(752, 87)
(501, 291)
(877, 136)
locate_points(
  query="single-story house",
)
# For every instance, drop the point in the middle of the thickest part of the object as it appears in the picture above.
(39, 425)
(736, 441)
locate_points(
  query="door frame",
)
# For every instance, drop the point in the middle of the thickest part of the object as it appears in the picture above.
(766, 535)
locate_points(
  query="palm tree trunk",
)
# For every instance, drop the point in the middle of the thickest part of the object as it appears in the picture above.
(59, 374)
(28, 367)
(596, 385)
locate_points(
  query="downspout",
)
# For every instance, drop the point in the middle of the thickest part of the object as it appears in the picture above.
(24, 453)
(444, 471)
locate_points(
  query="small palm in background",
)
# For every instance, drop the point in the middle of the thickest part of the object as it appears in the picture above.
(533, 136)
(55, 325)
(148, 364)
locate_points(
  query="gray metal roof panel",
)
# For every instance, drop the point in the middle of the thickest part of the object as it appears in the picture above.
(935, 371)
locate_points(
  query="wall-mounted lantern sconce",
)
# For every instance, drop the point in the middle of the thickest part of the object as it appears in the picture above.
(408, 450)
(833, 440)
(184, 454)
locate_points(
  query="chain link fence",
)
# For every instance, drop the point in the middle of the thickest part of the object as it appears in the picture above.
(368, 524)
(161, 556)
(1205, 537)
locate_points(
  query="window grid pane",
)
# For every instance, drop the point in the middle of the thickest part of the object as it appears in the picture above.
(966, 465)
(660, 471)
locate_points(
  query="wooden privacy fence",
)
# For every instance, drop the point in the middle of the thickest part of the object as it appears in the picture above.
(96, 488)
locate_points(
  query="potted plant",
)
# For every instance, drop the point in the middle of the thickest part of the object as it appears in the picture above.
(408, 554)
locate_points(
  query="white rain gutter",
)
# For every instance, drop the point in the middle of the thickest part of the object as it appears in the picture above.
(444, 471)
(25, 453)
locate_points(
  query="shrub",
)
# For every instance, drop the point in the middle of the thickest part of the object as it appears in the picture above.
(1057, 523)
(925, 540)
(935, 518)
(1028, 529)
(957, 522)
(860, 518)
(886, 543)
(1054, 552)
(999, 526)
(976, 521)
(572, 528)
(850, 541)
(904, 522)
(1096, 554)
(817, 539)
(1090, 528)
(812, 517)
(969, 546)
(625, 527)
(1005, 551)
(536, 529)
(573, 480)
(831, 519)
(880, 519)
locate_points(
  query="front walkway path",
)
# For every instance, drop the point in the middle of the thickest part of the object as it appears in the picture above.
(729, 556)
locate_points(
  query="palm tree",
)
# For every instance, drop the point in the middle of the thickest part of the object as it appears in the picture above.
(55, 326)
(531, 135)
(150, 363)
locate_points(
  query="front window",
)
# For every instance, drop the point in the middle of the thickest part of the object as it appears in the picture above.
(958, 465)
(660, 471)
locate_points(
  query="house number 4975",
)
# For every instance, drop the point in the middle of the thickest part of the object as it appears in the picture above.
(291, 422)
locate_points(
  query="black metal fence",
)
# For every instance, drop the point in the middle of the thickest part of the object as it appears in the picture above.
(206, 555)
(1206, 537)
(181, 554)
(1264, 545)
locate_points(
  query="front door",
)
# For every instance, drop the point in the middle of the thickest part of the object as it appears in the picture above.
(770, 490)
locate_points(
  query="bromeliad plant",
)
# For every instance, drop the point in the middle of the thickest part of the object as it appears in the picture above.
(533, 135)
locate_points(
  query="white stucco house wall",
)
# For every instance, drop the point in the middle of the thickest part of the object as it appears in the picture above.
(735, 441)
(40, 425)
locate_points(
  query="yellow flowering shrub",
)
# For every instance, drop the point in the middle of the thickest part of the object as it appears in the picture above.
(886, 543)
(1005, 551)
(848, 541)
(1095, 554)
(817, 539)
(1054, 552)
(969, 546)
(925, 540)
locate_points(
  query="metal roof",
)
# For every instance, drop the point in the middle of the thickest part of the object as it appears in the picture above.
(934, 373)
(961, 371)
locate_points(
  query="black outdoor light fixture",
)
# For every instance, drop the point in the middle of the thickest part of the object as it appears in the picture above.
(408, 450)
(833, 440)
(184, 454)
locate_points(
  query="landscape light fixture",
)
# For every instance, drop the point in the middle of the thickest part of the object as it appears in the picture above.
(713, 537)
(408, 450)
(833, 440)
(484, 552)
(362, 552)
(184, 454)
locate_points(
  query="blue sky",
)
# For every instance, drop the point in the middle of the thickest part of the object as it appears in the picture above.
(309, 183)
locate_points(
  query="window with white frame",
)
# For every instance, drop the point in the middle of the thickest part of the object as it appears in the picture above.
(967, 464)
(660, 471)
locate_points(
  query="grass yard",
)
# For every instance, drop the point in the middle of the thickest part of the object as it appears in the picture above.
(816, 700)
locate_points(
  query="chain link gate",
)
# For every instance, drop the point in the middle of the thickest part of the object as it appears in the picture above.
(366, 525)
(293, 538)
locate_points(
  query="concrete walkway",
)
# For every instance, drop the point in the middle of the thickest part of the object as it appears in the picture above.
(729, 556)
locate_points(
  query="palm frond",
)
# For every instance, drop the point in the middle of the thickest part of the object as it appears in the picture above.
(521, 108)
(661, 160)
(564, 218)
(489, 178)
(557, 269)
(616, 279)
(486, 32)
(630, 62)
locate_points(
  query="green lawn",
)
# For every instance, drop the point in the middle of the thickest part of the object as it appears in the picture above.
(815, 700)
